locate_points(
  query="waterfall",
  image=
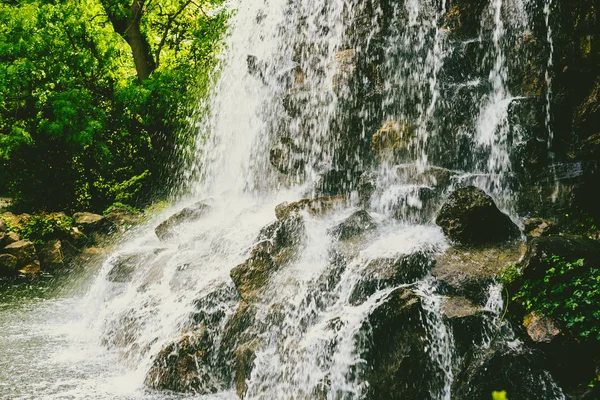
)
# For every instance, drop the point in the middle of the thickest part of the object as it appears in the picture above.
(315, 98)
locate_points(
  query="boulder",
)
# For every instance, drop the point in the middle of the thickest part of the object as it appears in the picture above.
(537, 227)
(277, 236)
(356, 224)
(397, 365)
(24, 251)
(469, 272)
(123, 218)
(8, 265)
(92, 223)
(470, 216)
(518, 371)
(245, 355)
(166, 229)
(9, 238)
(3, 227)
(185, 366)
(253, 274)
(78, 238)
(541, 329)
(317, 207)
(467, 322)
(51, 254)
(388, 272)
(15, 221)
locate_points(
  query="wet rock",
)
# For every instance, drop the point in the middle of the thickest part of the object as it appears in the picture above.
(166, 229)
(8, 265)
(286, 157)
(535, 262)
(470, 216)
(429, 176)
(466, 319)
(516, 370)
(357, 224)
(469, 272)
(252, 275)
(394, 140)
(366, 187)
(338, 181)
(3, 227)
(125, 266)
(123, 218)
(185, 366)
(387, 272)
(317, 207)
(346, 65)
(396, 358)
(280, 235)
(244, 362)
(51, 254)
(540, 328)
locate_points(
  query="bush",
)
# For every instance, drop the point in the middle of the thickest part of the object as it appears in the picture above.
(44, 227)
(569, 292)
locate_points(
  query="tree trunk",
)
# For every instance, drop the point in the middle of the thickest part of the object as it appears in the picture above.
(128, 26)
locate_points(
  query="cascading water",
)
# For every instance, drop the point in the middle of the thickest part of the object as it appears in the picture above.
(304, 87)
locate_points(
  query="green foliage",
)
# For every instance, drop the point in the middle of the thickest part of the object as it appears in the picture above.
(569, 292)
(43, 227)
(120, 207)
(499, 395)
(77, 129)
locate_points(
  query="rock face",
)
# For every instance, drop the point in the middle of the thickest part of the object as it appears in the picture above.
(253, 274)
(166, 229)
(318, 206)
(182, 366)
(470, 216)
(537, 227)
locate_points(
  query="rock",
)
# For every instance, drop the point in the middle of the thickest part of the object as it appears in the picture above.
(387, 272)
(185, 366)
(92, 223)
(8, 265)
(466, 319)
(429, 176)
(469, 272)
(286, 157)
(279, 235)
(125, 265)
(357, 224)
(366, 187)
(3, 227)
(253, 274)
(338, 181)
(166, 229)
(122, 218)
(394, 140)
(535, 261)
(244, 362)
(24, 251)
(346, 65)
(316, 207)
(9, 238)
(470, 216)
(516, 370)
(51, 254)
(15, 221)
(540, 328)
(537, 227)
(397, 362)
(77, 238)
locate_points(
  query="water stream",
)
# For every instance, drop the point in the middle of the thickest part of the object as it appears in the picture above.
(308, 83)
